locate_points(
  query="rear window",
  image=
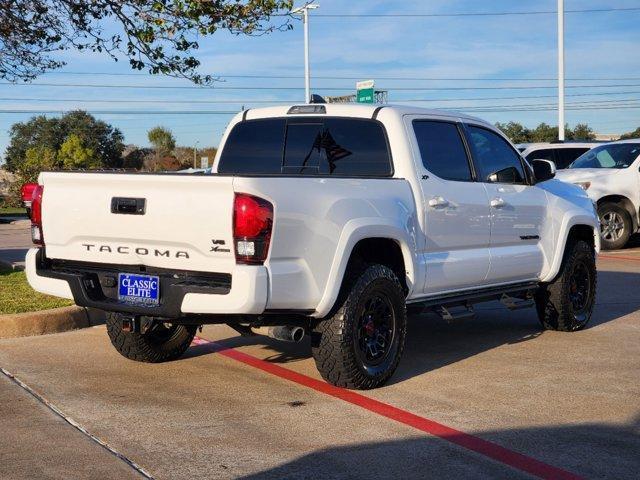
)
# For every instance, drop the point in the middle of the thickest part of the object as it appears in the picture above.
(566, 156)
(307, 146)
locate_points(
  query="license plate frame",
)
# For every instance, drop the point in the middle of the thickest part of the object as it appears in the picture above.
(139, 289)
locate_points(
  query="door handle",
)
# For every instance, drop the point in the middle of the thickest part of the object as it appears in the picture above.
(438, 202)
(498, 203)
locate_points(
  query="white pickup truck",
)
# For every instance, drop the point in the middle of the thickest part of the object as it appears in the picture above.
(332, 220)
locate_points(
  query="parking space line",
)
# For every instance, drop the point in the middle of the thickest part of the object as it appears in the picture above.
(470, 442)
(616, 257)
(75, 424)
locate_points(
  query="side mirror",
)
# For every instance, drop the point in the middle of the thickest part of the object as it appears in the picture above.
(543, 170)
(506, 175)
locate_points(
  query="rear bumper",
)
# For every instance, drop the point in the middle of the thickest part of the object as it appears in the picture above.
(244, 291)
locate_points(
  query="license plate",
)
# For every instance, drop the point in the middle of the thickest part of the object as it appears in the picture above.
(139, 289)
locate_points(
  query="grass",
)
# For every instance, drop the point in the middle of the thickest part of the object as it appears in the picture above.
(16, 296)
(12, 211)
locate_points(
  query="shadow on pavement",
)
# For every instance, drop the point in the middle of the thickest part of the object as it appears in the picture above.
(10, 218)
(433, 343)
(12, 255)
(589, 450)
(634, 242)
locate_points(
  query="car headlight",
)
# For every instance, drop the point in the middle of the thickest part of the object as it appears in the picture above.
(583, 185)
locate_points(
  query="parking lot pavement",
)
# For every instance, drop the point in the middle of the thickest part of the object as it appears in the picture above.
(15, 240)
(37, 444)
(567, 401)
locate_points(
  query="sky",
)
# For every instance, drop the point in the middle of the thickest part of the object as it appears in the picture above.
(474, 64)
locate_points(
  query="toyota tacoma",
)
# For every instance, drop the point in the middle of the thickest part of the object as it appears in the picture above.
(322, 219)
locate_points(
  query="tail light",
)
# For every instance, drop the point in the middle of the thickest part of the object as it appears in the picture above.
(36, 216)
(26, 192)
(252, 223)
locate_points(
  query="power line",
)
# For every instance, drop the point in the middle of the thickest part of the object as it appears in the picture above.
(189, 102)
(390, 88)
(340, 77)
(469, 14)
(286, 101)
(250, 102)
(548, 109)
(129, 112)
(214, 112)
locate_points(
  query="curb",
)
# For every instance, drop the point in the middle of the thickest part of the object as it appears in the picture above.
(55, 320)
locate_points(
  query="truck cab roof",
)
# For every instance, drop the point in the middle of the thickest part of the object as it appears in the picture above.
(351, 110)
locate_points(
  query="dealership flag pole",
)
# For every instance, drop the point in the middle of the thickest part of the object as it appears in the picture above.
(561, 70)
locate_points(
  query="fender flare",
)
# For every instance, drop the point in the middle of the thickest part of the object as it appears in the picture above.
(361, 229)
(568, 222)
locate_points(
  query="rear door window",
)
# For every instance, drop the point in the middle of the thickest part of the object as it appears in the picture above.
(442, 150)
(307, 146)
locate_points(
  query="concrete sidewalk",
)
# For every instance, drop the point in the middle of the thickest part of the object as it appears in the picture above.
(15, 240)
(49, 446)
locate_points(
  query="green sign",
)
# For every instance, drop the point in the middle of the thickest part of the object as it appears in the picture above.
(365, 95)
(365, 92)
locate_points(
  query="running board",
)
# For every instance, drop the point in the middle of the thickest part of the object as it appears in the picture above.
(511, 294)
(460, 312)
(513, 303)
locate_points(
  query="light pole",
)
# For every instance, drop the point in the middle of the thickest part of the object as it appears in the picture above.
(561, 70)
(304, 12)
(195, 151)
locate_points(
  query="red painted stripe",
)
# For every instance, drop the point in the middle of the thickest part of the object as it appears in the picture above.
(470, 442)
(619, 257)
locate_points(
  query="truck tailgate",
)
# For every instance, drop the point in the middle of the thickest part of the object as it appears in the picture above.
(186, 222)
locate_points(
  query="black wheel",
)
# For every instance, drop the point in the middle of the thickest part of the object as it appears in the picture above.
(615, 226)
(361, 344)
(566, 304)
(162, 343)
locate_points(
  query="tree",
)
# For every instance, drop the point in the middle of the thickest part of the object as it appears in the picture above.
(634, 134)
(73, 154)
(159, 35)
(162, 140)
(582, 131)
(515, 131)
(105, 140)
(36, 160)
(544, 133)
(184, 155)
(133, 157)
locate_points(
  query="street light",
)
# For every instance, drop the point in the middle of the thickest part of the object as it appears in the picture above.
(561, 70)
(195, 151)
(304, 12)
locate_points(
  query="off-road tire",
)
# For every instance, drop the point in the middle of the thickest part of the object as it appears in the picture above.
(553, 300)
(334, 340)
(149, 347)
(620, 212)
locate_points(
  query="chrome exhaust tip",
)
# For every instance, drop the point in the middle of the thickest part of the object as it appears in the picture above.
(285, 333)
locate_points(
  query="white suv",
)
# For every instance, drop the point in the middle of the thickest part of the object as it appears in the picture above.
(609, 173)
